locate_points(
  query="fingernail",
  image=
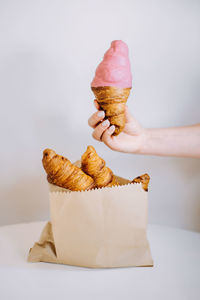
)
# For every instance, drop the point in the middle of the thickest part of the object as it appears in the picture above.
(105, 123)
(111, 129)
(101, 114)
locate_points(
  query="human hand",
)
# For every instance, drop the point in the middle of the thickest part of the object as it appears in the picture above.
(130, 140)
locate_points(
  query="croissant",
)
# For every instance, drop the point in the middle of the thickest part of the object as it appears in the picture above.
(144, 179)
(95, 166)
(60, 171)
(113, 101)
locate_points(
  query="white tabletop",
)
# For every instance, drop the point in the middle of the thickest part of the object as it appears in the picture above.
(175, 275)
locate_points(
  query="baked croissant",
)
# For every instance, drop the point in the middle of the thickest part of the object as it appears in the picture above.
(144, 179)
(60, 171)
(113, 101)
(95, 166)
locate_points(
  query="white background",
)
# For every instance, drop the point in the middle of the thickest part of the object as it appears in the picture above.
(48, 54)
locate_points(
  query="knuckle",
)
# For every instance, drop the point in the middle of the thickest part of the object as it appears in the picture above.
(93, 120)
(100, 128)
(104, 137)
(96, 117)
(94, 135)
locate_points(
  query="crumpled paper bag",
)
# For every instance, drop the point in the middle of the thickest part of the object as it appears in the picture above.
(100, 228)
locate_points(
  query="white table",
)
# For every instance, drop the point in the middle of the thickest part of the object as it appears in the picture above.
(176, 274)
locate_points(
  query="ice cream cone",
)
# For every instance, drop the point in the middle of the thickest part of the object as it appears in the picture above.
(112, 84)
(113, 101)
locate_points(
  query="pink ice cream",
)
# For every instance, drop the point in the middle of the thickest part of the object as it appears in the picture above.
(115, 69)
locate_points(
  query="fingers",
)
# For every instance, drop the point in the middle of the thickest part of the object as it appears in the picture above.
(96, 118)
(100, 129)
(107, 135)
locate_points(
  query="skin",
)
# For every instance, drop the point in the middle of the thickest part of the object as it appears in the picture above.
(176, 141)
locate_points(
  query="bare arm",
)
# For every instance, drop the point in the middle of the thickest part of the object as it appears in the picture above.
(177, 141)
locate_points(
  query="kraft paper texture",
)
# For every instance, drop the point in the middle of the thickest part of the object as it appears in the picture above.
(100, 228)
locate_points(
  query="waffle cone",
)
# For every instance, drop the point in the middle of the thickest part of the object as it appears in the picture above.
(113, 100)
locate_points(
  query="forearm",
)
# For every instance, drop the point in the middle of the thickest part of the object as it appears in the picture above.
(177, 141)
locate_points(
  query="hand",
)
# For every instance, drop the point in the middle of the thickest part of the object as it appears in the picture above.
(130, 140)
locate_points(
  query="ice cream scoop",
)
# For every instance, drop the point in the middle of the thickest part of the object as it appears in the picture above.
(115, 68)
(112, 84)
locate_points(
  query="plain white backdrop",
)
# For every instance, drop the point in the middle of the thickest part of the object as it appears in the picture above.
(48, 54)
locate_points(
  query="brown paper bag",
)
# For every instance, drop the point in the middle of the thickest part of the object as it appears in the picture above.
(100, 228)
